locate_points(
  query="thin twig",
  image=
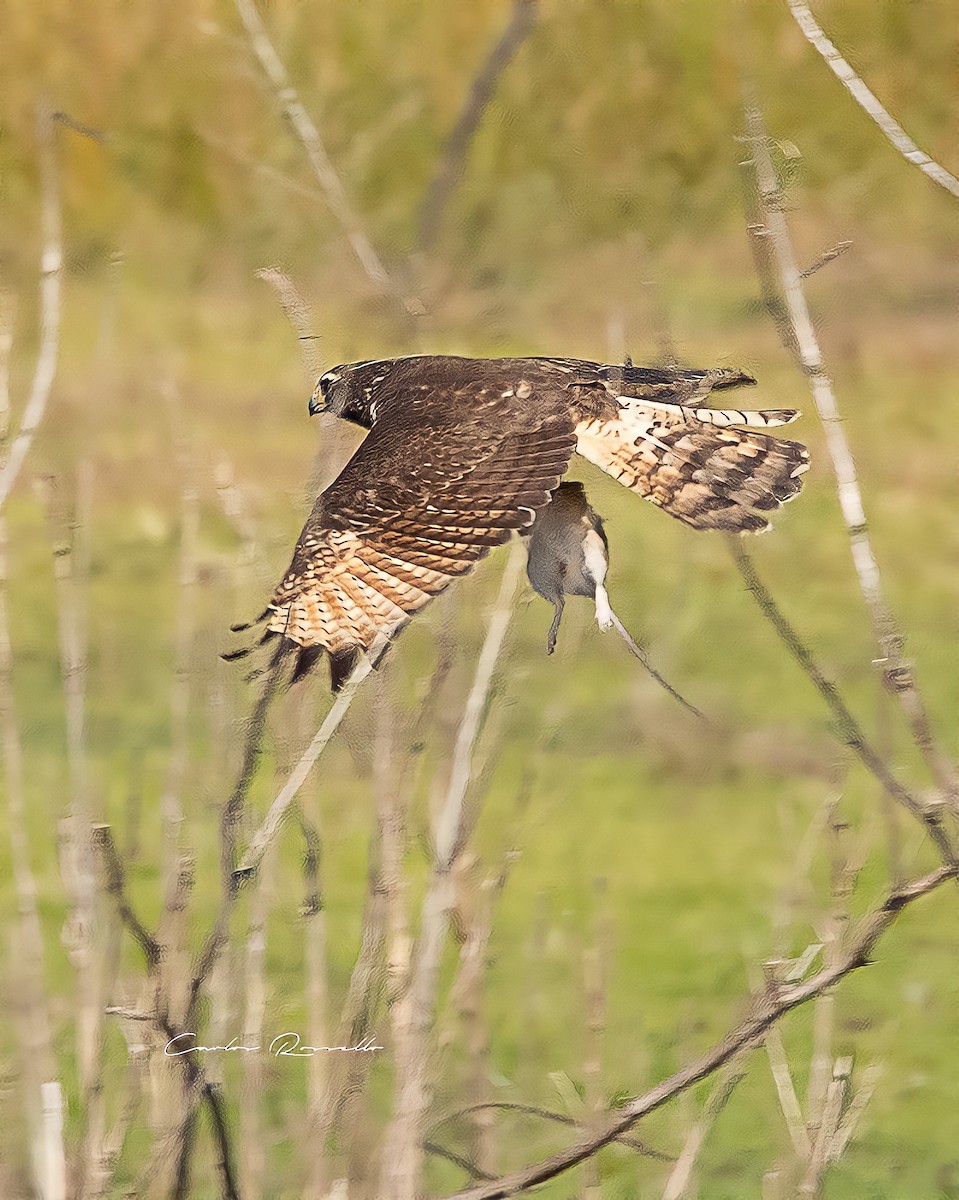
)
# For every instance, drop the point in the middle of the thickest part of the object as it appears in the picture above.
(677, 1185)
(457, 147)
(896, 673)
(893, 131)
(767, 1010)
(298, 314)
(309, 136)
(827, 256)
(849, 728)
(298, 776)
(51, 265)
(116, 887)
(548, 1114)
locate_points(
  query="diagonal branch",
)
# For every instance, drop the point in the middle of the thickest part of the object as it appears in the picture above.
(867, 101)
(309, 136)
(298, 776)
(546, 1114)
(767, 1010)
(849, 727)
(457, 147)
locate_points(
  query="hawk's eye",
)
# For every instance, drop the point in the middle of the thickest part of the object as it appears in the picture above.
(326, 382)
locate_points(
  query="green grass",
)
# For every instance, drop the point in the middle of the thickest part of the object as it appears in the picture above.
(692, 836)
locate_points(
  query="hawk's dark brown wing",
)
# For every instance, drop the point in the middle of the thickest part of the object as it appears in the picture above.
(442, 477)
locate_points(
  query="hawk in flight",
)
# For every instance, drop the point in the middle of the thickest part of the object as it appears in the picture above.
(462, 451)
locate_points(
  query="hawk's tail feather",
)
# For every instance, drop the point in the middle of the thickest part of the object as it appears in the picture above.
(342, 665)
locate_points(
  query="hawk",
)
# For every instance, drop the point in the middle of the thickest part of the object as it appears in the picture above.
(462, 451)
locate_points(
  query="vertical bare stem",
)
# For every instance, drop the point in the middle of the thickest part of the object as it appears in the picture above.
(51, 263)
(897, 673)
(403, 1151)
(252, 1144)
(38, 1061)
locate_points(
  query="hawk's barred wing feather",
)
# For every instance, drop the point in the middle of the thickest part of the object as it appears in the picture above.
(422, 501)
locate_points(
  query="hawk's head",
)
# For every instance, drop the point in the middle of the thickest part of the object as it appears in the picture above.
(330, 394)
(340, 393)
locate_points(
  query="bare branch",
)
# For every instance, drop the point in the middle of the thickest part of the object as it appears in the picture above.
(849, 728)
(801, 338)
(402, 1153)
(677, 1185)
(51, 265)
(298, 314)
(116, 887)
(298, 776)
(548, 1114)
(457, 147)
(867, 101)
(827, 256)
(309, 136)
(767, 1010)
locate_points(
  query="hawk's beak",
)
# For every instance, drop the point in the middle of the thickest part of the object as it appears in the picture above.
(317, 403)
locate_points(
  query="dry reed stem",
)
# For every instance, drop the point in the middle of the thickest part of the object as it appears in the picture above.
(867, 101)
(767, 1010)
(88, 953)
(896, 673)
(51, 266)
(403, 1150)
(38, 1063)
(252, 1088)
(299, 316)
(854, 1112)
(54, 1164)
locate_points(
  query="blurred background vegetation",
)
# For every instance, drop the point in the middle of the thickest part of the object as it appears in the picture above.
(600, 212)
